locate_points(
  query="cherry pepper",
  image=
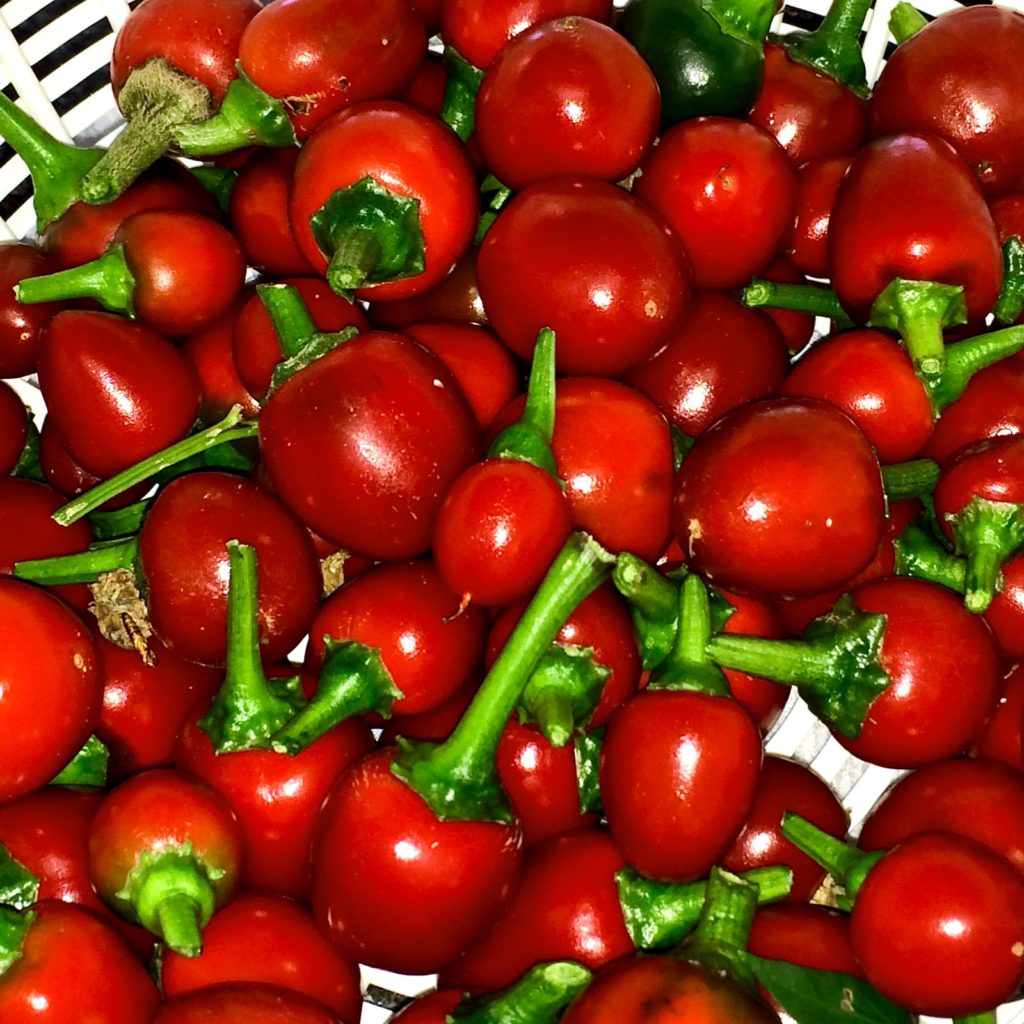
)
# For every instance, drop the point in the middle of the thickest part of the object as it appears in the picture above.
(912, 245)
(504, 519)
(964, 954)
(166, 851)
(416, 847)
(708, 57)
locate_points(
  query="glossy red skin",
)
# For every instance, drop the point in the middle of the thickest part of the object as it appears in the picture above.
(184, 557)
(761, 697)
(426, 90)
(412, 154)
(482, 366)
(275, 797)
(965, 953)
(187, 269)
(63, 474)
(945, 672)
(566, 907)
(13, 428)
(582, 99)
(782, 786)
(47, 831)
(704, 177)
(810, 114)
(83, 232)
(992, 469)
(145, 706)
(256, 347)
(198, 37)
(50, 686)
(455, 297)
(258, 212)
(65, 941)
(594, 264)
(267, 939)
(723, 355)
(797, 328)
(479, 29)
(970, 61)
(27, 531)
(1003, 737)
(116, 391)
(363, 444)
(541, 783)
(973, 797)
(733, 511)
(664, 990)
(382, 858)
(156, 810)
(499, 529)
(21, 323)
(817, 185)
(602, 622)
(805, 934)
(243, 1003)
(211, 356)
(992, 404)
(431, 1008)
(797, 613)
(319, 56)
(405, 611)
(928, 222)
(868, 375)
(621, 494)
(435, 724)
(678, 775)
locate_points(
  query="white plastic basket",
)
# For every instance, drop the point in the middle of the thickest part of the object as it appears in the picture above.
(54, 60)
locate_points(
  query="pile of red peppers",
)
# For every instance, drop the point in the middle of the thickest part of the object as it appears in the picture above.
(468, 424)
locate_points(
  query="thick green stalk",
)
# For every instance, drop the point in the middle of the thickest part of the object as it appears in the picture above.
(910, 479)
(87, 768)
(458, 777)
(833, 49)
(748, 20)
(539, 997)
(803, 298)
(83, 567)
(986, 533)
(248, 709)
(660, 915)
(653, 604)
(106, 279)
(723, 928)
(529, 440)
(905, 21)
(56, 168)
(1010, 303)
(231, 428)
(920, 555)
(965, 358)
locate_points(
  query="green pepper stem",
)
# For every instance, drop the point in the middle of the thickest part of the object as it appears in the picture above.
(835, 665)
(587, 748)
(988, 1017)
(802, 298)
(248, 116)
(289, 315)
(1011, 296)
(19, 888)
(965, 358)
(537, 998)
(353, 681)
(106, 279)
(56, 168)
(458, 777)
(910, 479)
(177, 922)
(905, 21)
(719, 940)
(688, 666)
(228, 429)
(529, 440)
(986, 533)
(83, 567)
(833, 48)
(461, 86)
(246, 711)
(14, 924)
(844, 862)
(748, 20)
(653, 604)
(114, 524)
(155, 99)
(87, 768)
(660, 915)
(918, 554)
